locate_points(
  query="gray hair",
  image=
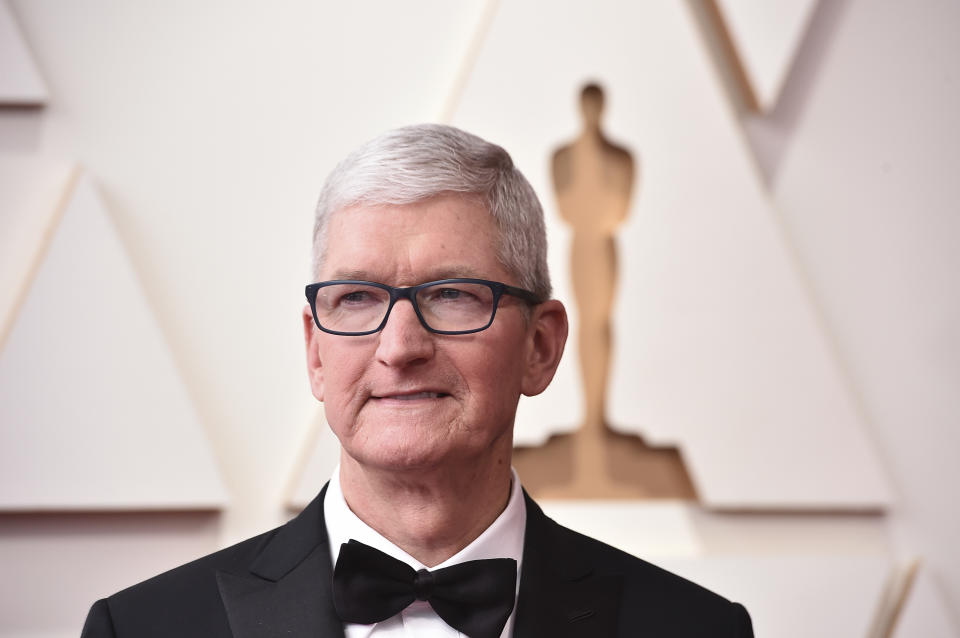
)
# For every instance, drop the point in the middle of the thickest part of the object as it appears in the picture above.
(414, 163)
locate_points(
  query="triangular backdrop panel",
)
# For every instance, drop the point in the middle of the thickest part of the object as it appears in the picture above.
(94, 413)
(316, 465)
(31, 197)
(766, 35)
(796, 596)
(924, 612)
(20, 81)
(717, 349)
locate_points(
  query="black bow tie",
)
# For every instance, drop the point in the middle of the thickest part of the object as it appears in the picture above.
(474, 597)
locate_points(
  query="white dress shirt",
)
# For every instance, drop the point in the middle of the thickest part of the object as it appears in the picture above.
(503, 539)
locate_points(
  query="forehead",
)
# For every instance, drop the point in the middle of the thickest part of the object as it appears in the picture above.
(445, 236)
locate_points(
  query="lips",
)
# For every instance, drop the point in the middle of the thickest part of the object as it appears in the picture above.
(411, 396)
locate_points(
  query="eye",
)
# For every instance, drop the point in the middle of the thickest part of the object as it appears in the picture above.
(452, 294)
(350, 297)
(455, 295)
(449, 294)
(356, 296)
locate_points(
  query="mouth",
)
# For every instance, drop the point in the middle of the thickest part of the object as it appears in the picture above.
(410, 396)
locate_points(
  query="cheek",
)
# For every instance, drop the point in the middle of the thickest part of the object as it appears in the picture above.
(341, 387)
(341, 407)
(342, 381)
(498, 376)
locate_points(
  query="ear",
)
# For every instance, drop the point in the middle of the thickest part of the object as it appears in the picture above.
(314, 364)
(548, 334)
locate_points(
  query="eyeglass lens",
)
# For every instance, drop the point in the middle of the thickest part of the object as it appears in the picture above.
(345, 307)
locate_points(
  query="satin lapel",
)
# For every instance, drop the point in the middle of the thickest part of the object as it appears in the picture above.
(286, 591)
(561, 595)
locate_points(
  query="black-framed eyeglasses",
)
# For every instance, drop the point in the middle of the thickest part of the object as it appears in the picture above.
(447, 306)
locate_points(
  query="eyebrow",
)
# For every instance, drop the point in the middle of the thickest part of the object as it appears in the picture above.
(436, 274)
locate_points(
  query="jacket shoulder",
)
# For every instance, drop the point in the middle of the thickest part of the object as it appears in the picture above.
(184, 601)
(651, 598)
(642, 577)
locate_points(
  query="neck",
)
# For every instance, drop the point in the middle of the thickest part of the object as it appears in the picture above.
(430, 514)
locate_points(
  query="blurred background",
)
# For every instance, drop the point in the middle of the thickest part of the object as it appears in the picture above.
(785, 326)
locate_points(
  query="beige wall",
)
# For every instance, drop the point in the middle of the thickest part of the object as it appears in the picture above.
(865, 150)
(210, 127)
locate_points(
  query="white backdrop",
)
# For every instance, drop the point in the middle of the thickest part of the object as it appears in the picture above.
(207, 132)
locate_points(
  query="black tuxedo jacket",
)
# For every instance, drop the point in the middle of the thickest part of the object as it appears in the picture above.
(278, 584)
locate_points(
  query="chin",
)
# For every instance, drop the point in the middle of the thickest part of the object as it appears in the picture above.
(420, 446)
(400, 461)
(411, 456)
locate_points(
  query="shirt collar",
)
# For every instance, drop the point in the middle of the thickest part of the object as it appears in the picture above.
(502, 539)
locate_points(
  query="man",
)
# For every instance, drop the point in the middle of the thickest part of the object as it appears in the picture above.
(431, 315)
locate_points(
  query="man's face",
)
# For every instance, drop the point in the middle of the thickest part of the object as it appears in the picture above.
(405, 398)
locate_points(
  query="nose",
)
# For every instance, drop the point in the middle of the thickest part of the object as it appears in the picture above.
(404, 341)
